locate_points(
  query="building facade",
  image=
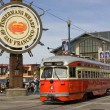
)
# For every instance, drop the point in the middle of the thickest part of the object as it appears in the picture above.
(28, 74)
(89, 45)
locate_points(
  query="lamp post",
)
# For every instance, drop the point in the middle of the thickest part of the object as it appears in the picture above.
(103, 42)
(69, 46)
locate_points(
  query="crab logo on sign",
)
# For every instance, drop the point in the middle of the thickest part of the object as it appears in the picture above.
(20, 28)
(17, 27)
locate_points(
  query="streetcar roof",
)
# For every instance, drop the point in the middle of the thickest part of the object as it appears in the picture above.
(69, 59)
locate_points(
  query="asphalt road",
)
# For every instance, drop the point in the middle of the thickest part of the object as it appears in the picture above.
(33, 102)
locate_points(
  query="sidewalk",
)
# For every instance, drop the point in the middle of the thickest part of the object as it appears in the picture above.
(30, 96)
(7, 103)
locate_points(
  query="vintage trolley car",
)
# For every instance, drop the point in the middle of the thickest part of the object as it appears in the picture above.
(65, 78)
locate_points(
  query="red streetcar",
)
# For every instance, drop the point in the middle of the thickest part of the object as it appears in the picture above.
(65, 78)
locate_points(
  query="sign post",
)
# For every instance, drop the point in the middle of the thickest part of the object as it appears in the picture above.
(15, 81)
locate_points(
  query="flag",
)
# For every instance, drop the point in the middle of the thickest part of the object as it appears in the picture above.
(102, 55)
(107, 55)
(65, 47)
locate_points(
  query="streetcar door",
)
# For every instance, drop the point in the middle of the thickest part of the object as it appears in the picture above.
(72, 76)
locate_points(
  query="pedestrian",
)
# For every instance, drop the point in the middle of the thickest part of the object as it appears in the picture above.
(32, 88)
(3, 87)
(36, 85)
(29, 88)
(7, 83)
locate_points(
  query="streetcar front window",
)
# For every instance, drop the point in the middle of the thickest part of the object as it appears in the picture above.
(60, 72)
(47, 72)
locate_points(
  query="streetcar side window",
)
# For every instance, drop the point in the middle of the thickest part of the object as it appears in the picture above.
(96, 76)
(104, 75)
(89, 74)
(72, 72)
(86, 74)
(109, 75)
(100, 75)
(83, 74)
(79, 74)
(92, 76)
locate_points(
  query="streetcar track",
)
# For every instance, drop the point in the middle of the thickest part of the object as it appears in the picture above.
(34, 106)
(37, 104)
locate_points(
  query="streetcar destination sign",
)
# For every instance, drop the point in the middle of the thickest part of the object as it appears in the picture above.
(20, 28)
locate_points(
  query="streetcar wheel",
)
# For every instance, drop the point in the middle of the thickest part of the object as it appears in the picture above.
(105, 93)
(84, 97)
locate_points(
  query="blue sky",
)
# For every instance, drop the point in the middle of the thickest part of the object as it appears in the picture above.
(90, 15)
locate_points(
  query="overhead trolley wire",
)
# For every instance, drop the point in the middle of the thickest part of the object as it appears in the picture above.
(75, 27)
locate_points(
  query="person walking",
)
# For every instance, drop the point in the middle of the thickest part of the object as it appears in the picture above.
(7, 84)
(3, 87)
(36, 85)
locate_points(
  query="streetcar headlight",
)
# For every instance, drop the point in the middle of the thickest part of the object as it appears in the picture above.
(51, 87)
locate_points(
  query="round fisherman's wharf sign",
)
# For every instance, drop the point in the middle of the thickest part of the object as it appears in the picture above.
(20, 28)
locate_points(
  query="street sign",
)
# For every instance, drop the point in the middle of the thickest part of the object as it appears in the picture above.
(20, 28)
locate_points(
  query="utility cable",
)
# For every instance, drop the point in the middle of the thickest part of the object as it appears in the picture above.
(78, 28)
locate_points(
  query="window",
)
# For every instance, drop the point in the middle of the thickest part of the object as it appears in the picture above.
(96, 75)
(101, 75)
(47, 72)
(92, 76)
(83, 74)
(79, 74)
(89, 47)
(4, 70)
(29, 73)
(25, 71)
(60, 72)
(104, 75)
(72, 72)
(109, 75)
(89, 75)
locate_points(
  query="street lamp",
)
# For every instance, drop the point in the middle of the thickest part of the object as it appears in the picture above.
(69, 47)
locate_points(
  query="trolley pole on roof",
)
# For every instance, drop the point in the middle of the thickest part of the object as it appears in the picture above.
(69, 46)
